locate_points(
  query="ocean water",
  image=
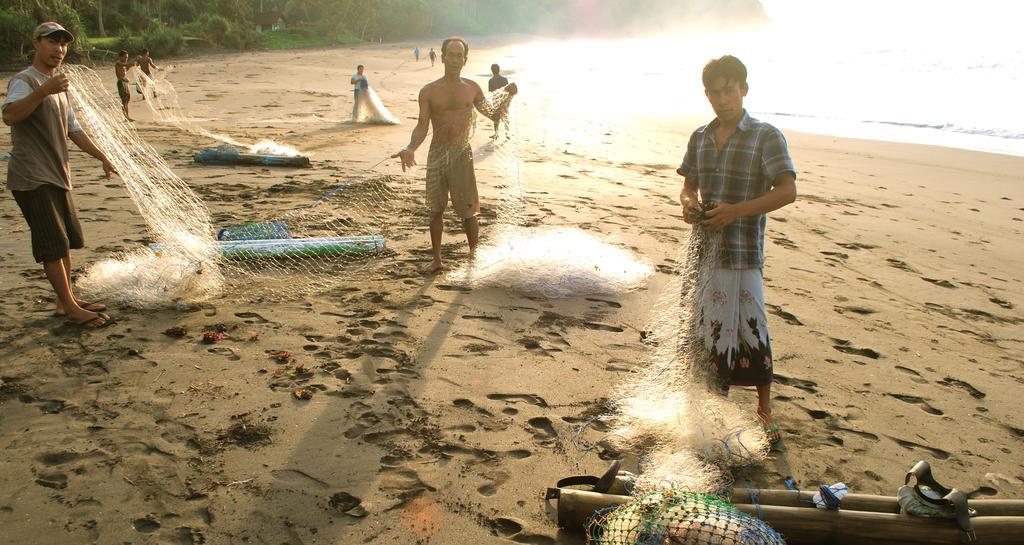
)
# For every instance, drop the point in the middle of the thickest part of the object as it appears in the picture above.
(937, 72)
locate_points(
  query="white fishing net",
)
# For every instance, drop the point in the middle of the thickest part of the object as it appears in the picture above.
(368, 108)
(671, 413)
(305, 238)
(555, 262)
(308, 237)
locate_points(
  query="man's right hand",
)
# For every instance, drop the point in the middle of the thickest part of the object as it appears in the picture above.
(691, 205)
(56, 84)
(408, 158)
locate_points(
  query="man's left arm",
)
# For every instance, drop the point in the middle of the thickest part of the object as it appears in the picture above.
(778, 167)
(85, 144)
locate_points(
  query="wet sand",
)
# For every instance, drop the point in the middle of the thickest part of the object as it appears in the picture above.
(439, 413)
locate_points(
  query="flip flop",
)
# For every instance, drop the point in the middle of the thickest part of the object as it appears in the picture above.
(85, 305)
(771, 429)
(96, 322)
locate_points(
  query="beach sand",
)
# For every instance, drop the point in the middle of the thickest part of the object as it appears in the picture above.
(441, 414)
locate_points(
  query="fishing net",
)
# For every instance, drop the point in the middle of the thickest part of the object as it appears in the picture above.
(672, 414)
(304, 236)
(553, 262)
(368, 108)
(684, 518)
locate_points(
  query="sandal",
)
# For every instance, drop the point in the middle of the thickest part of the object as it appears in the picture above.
(96, 322)
(85, 305)
(770, 428)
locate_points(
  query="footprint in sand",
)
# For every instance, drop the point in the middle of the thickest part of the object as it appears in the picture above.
(146, 525)
(941, 283)
(496, 478)
(914, 375)
(543, 431)
(844, 346)
(965, 386)
(910, 445)
(786, 316)
(516, 398)
(805, 385)
(919, 401)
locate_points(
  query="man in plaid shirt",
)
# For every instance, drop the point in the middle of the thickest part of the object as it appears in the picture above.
(742, 165)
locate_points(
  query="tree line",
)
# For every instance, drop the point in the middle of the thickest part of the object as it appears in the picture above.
(166, 25)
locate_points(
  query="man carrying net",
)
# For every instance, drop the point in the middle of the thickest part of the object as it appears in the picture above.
(448, 104)
(741, 167)
(41, 120)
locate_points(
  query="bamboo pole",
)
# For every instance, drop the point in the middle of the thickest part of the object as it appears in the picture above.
(868, 502)
(803, 526)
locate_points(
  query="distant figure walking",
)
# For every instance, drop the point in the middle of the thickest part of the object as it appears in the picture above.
(432, 55)
(416, 53)
(360, 84)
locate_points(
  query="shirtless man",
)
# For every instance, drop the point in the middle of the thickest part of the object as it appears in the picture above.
(447, 104)
(121, 72)
(146, 64)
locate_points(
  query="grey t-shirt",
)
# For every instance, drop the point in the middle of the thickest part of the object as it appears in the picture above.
(39, 143)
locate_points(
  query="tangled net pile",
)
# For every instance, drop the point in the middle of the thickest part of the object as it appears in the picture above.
(348, 222)
(686, 518)
(554, 262)
(688, 433)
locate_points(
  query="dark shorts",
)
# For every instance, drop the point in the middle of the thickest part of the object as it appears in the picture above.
(123, 92)
(50, 214)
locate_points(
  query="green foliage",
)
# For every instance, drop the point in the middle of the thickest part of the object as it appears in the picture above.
(302, 37)
(215, 29)
(129, 42)
(163, 41)
(178, 11)
(15, 32)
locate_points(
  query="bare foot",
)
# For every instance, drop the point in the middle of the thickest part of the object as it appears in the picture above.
(433, 268)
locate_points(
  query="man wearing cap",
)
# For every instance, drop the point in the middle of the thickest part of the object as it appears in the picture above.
(41, 119)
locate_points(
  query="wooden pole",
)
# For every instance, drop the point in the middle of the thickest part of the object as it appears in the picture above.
(868, 502)
(811, 526)
(800, 526)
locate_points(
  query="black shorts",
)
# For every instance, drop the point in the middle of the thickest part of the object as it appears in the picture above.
(123, 92)
(50, 214)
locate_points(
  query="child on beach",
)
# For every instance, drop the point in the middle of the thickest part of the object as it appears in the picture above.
(121, 72)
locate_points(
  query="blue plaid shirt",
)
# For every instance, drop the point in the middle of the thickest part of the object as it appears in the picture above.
(745, 169)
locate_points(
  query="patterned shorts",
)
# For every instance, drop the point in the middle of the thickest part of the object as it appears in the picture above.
(736, 329)
(450, 172)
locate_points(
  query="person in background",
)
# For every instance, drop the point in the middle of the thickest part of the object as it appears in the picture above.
(123, 90)
(496, 82)
(360, 84)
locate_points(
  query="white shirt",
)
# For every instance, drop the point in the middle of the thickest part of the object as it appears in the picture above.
(18, 90)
